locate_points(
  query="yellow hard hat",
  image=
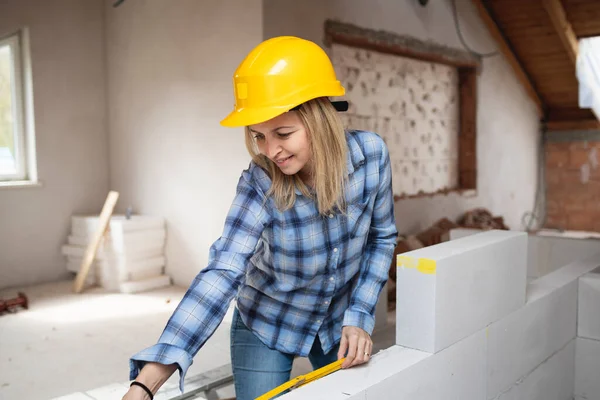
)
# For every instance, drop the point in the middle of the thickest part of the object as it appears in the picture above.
(278, 75)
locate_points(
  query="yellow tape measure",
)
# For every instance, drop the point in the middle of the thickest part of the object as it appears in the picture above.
(303, 379)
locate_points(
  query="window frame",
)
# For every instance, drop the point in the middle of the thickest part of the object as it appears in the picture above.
(468, 67)
(21, 92)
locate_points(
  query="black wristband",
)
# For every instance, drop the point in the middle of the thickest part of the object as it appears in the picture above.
(136, 383)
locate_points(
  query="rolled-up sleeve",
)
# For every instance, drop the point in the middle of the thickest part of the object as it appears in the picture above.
(207, 299)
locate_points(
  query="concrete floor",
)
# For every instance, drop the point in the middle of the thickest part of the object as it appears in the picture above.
(67, 343)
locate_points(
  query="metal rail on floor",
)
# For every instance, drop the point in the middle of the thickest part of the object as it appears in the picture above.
(206, 383)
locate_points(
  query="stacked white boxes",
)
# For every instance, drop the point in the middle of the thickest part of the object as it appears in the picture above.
(129, 259)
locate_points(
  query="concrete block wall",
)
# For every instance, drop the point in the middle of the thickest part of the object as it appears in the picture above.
(550, 250)
(587, 349)
(522, 341)
(547, 251)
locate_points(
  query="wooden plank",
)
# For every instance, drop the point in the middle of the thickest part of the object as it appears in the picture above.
(514, 5)
(535, 49)
(557, 101)
(563, 90)
(577, 125)
(92, 248)
(532, 18)
(526, 31)
(550, 69)
(563, 28)
(563, 95)
(585, 34)
(366, 42)
(509, 55)
(569, 114)
(467, 142)
(551, 43)
(550, 37)
(563, 100)
(584, 17)
(551, 59)
(556, 79)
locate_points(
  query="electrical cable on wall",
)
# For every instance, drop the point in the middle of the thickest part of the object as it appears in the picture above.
(118, 3)
(538, 214)
(460, 36)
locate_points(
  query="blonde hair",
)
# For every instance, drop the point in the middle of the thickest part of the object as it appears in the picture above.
(327, 140)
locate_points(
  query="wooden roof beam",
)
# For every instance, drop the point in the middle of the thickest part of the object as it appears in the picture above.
(563, 28)
(509, 55)
(575, 125)
(571, 119)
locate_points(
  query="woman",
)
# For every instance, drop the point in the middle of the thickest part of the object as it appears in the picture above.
(307, 242)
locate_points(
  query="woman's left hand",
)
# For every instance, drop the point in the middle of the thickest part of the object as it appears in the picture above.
(357, 343)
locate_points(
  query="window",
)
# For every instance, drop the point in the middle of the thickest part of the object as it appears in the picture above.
(413, 106)
(17, 158)
(419, 97)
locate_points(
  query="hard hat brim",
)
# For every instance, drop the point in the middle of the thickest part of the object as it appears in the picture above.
(252, 116)
(245, 117)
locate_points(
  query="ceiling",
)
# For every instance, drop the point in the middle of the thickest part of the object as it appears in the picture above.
(542, 36)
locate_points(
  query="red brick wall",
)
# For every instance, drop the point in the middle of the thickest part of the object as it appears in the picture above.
(573, 186)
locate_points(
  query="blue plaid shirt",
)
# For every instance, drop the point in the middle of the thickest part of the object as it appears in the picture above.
(297, 274)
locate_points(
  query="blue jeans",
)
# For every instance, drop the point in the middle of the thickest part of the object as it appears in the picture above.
(257, 368)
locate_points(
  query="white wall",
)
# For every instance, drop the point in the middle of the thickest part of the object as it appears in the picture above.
(68, 73)
(507, 122)
(170, 68)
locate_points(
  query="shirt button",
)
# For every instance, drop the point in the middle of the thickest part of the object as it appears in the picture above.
(326, 302)
(318, 321)
(335, 250)
(332, 279)
(330, 215)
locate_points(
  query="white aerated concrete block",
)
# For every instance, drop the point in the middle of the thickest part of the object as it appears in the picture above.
(571, 271)
(397, 373)
(552, 380)
(587, 369)
(145, 284)
(108, 392)
(549, 253)
(353, 383)
(457, 372)
(82, 225)
(74, 396)
(459, 233)
(451, 290)
(521, 341)
(589, 306)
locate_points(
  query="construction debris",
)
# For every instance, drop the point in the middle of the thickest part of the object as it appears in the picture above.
(12, 305)
(481, 218)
